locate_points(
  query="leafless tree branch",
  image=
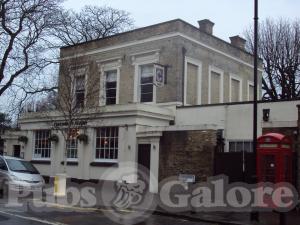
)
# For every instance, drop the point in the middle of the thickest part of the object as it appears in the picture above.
(279, 47)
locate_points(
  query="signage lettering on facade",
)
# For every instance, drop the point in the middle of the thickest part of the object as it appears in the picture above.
(80, 123)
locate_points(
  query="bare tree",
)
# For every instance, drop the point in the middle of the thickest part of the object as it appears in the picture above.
(31, 33)
(24, 30)
(279, 48)
(91, 23)
(69, 110)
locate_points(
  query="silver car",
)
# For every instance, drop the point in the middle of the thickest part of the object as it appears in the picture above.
(19, 175)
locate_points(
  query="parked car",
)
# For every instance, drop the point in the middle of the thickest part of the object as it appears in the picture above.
(19, 175)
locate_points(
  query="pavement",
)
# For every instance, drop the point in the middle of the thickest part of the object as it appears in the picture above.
(59, 213)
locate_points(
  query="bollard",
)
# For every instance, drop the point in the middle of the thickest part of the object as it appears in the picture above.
(60, 185)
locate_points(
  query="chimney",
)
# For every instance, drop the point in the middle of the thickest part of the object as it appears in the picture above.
(206, 26)
(239, 42)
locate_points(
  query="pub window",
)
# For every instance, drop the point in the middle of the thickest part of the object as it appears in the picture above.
(111, 87)
(42, 148)
(250, 91)
(192, 84)
(235, 89)
(79, 91)
(215, 94)
(240, 146)
(72, 145)
(72, 148)
(107, 143)
(146, 83)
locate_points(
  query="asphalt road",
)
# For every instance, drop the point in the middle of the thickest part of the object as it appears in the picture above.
(56, 215)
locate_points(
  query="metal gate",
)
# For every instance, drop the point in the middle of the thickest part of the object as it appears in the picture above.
(238, 166)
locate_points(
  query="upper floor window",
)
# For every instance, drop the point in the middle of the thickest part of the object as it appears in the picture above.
(146, 83)
(109, 81)
(42, 147)
(79, 91)
(107, 143)
(250, 91)
(215, 86)
(235, 89)
(111, 87)
(192, 81)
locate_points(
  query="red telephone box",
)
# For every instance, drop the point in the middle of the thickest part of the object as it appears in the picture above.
(274, 158)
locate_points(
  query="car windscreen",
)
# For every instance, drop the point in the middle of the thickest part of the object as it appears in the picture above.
(21, 166)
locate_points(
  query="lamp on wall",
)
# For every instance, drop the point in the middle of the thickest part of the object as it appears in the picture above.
(266, 115)
(296, 132)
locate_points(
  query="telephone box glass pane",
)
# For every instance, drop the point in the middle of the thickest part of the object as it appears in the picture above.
(269, 168)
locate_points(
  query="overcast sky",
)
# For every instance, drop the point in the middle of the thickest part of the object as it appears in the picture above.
(231, 17)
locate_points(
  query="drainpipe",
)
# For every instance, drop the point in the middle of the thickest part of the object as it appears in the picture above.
(183, 71)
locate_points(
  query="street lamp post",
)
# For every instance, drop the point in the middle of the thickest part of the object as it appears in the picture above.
(254, 215)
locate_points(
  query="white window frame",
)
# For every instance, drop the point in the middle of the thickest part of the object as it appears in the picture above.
(95, 146)
(106, 66)
(237, 78)
(197, 63)
(78, 71)
(221, 86)
(239, 140)
(249, 83)
(72, 159)
(137, 62)
(33, 152)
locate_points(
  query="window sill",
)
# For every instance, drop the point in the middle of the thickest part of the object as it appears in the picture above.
(70, 163)
(44, 162)
(104, 164)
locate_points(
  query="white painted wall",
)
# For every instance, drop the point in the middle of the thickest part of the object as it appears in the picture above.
(145, 124)
(237, 119)
(127, 118)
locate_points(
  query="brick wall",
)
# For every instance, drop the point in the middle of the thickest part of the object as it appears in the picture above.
(187, 152)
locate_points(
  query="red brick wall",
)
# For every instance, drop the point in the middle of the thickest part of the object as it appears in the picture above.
(187, 152)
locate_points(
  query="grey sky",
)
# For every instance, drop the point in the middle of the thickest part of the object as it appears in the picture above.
(231, 17)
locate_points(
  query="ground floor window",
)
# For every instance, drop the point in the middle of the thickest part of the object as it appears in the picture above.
(241, 146)
(107, 143)
(72, 145)
(42, 148)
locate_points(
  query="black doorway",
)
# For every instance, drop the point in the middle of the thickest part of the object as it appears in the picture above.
(17, 151)
(144, 154)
